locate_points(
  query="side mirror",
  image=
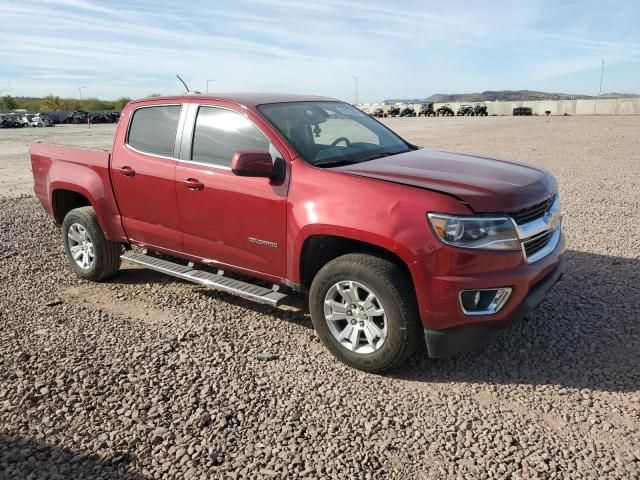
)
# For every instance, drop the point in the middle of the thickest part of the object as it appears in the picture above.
(257, 164)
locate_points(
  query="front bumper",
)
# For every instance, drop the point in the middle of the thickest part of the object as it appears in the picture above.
(445, 343)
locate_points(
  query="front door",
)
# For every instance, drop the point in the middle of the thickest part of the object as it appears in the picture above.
(143, 174)
(230, 220)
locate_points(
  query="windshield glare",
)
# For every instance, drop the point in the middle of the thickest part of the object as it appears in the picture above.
(330, 133)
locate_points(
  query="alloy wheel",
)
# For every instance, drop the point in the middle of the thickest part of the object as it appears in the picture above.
(355, 316)
(81, 246)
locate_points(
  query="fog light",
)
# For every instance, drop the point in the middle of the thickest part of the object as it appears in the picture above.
(476, 298)
(484, 301)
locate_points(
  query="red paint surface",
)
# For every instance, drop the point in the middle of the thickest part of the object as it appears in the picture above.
(208, 214)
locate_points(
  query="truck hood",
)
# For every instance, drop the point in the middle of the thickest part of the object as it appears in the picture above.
(485, 184)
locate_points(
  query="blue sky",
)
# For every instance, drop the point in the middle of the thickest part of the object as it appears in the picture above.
(397, 49)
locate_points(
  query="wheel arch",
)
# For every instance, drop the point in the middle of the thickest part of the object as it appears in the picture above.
(319, 249)
(63, 200)
(64, 196)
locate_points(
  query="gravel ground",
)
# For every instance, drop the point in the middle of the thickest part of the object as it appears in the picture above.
(147, 377)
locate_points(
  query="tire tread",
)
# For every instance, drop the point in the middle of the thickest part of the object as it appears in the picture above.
(109, 264)
(399, 283)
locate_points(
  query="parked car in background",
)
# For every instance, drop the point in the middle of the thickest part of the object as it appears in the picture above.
(26, 119)
(42, 120)
(113, 117)
(408, 112)
(379, 113)
(77, 117)
(20, 119)
(520, 111)
(426, 109)
(96, 117)
(397, 247)
(16, 120)
(481, 109)
(466, 110)
(445, 111)
(393, 112)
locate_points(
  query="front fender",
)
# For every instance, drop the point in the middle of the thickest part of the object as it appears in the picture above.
(349, 233)
(384, 214)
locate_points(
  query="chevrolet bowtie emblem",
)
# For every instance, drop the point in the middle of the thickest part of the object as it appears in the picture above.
(551, 219)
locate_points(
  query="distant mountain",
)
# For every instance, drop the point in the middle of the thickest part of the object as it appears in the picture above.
(619, 95)
(507, 96)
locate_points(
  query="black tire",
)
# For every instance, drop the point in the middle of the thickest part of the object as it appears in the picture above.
(106, 258)
(394, 289)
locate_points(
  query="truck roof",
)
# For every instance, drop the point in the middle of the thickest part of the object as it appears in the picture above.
(245, 99)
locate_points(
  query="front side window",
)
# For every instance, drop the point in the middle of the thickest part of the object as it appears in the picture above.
(153, 129)
(220, 133)
(332, 133)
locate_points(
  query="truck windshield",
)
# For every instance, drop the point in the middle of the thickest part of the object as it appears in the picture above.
(328, 134)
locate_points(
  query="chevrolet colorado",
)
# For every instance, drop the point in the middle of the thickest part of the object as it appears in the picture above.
(398, 247)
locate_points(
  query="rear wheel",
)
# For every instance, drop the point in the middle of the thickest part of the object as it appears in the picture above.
(364, 311)
(91, 255)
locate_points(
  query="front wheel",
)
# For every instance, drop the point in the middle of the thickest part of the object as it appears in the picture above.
(364, 311)
(91, 255)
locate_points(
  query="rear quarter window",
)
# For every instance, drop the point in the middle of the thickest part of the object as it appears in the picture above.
(153, 129)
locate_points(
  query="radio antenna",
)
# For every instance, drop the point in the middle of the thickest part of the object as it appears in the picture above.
(185, 85)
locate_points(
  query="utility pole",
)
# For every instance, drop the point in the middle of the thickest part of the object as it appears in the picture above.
(601, 75)
(595, 107)
(211, 80)
(356, 79)
(80, 91)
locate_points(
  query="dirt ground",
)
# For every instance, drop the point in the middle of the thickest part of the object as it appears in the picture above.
(15, 167)
(147, 377)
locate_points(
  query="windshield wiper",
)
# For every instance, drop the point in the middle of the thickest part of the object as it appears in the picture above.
(335, 163)
(375, 156)
(343, 161)
(382, 155)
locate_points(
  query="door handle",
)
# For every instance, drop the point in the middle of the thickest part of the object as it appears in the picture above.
(193, 184)
(127, 171)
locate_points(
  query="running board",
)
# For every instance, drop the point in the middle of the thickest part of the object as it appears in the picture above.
(210, 280)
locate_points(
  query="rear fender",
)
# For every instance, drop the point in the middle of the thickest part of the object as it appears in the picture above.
(95, 185)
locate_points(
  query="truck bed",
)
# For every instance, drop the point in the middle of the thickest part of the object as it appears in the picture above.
(57, 169)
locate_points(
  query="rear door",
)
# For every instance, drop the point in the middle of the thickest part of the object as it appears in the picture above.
(143, 171)
(231, 220)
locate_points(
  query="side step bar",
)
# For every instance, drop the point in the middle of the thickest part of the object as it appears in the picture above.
(210, 280)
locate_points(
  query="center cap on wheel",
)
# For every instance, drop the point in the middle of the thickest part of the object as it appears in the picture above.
(356, 314)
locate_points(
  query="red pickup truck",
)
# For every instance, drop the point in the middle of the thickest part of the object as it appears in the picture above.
(398, 247)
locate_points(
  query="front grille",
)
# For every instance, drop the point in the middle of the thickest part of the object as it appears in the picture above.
(537, 243)
(534, 212)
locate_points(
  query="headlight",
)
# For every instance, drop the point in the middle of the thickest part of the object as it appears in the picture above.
(495, 233)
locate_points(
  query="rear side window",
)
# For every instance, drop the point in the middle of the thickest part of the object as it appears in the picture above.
(153, 129)
(220, 133)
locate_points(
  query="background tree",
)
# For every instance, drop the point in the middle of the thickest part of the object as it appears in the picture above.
(120, 103)
(51, 103)
(93, 104)
(8, 103)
